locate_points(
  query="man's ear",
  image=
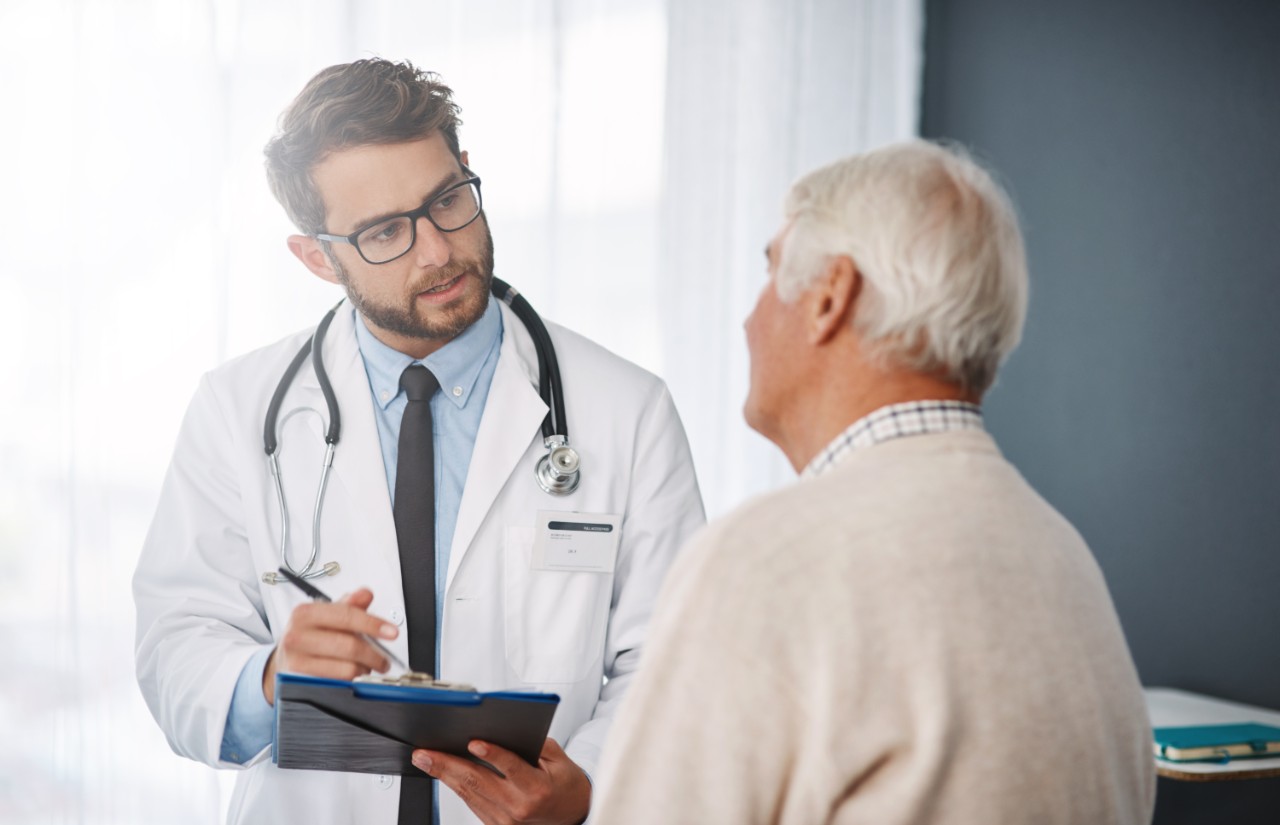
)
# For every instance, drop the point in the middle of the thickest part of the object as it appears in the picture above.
(463, 158)
(832, 299)
(311, 253)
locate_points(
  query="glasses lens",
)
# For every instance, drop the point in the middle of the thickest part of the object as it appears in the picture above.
(386, 240)
(455, 208)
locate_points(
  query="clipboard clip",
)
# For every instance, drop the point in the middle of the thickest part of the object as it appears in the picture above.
(413, 678)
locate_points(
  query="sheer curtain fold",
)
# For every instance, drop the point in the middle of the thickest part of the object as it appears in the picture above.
(758, 93)
(633, 155)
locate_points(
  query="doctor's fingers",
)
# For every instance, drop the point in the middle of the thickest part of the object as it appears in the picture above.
(522, 779)
(304, 644)
(341, 616)
(475, 785)
(339, 669)
(555, 790)
(523, 793)
(361, 597)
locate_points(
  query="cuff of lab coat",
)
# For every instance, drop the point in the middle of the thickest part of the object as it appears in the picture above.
(250, 724)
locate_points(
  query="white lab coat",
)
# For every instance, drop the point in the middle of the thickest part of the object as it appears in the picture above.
(203, 609)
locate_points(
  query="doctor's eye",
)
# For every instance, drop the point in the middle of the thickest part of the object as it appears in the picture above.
(384, 233)
(445, 202)
(455, 208)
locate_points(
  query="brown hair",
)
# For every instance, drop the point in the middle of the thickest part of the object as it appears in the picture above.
(367, 102)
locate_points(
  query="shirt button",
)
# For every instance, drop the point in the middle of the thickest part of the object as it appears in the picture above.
(397, 617)
(384, 395)
(385, 781)
(457, 391)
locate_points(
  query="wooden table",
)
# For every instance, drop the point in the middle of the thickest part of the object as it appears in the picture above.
(1169, 707)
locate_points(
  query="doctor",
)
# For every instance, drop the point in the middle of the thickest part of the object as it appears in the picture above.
(367, 165)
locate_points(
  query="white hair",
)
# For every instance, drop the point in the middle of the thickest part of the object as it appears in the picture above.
(937, 243)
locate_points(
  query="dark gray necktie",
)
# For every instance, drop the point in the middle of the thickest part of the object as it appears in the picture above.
(415, 516)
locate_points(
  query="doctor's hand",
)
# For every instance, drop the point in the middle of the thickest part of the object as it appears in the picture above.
(554, 791)
(323, 639)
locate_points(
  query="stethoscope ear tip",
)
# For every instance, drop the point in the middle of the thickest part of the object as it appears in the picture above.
(331, 568)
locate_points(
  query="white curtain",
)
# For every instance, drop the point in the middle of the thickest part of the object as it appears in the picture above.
(759, 92)
(142, 248)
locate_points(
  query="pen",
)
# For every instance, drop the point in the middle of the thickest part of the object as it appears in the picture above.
(318, 595)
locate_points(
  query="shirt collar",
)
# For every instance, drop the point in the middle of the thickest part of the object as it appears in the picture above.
(456, 365)
(896, 421)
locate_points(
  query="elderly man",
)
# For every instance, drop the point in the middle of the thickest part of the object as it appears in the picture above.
(909, 634)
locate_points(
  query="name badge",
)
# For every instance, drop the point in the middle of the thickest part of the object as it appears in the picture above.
(577, 542)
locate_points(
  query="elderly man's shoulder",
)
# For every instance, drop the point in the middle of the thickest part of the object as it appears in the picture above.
(928, 493)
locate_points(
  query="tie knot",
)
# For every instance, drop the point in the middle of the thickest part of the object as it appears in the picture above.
(418, 382)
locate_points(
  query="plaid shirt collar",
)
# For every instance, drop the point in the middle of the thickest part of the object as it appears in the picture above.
(896, 421)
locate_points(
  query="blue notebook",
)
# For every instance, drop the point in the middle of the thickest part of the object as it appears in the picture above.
(1217, 743)
(368, 727)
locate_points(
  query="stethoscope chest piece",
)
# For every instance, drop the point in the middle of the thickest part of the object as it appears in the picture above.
(558, 471)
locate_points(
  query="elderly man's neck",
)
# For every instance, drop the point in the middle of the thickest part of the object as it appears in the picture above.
(846, 396)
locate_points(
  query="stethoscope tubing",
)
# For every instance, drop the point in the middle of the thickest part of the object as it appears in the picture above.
(555, 426)
(549, 385)
(312, 347)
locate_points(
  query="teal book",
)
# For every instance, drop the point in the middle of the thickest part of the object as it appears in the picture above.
(1217, 743)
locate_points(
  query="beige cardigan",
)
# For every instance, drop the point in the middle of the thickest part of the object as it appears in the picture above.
(914, 636)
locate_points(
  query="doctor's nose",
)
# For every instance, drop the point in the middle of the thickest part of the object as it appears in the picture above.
(430, 246)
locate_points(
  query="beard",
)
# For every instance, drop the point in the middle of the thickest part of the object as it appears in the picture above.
(443, 323)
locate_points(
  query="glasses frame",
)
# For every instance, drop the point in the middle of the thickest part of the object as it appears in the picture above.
(423, 211)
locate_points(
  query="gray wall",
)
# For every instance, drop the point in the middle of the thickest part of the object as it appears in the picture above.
(1140, 141)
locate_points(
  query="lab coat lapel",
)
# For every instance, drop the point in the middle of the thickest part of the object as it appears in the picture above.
(357, 462)
(512, 417)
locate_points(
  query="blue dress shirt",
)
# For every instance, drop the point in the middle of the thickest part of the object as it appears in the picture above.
(464, 367)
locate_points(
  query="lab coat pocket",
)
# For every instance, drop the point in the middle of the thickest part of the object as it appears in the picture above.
(555, 620)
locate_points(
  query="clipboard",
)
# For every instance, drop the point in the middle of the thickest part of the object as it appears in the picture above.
(1216, 743)
(373, 726)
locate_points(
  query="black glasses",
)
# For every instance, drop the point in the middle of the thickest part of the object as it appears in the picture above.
(389, 238)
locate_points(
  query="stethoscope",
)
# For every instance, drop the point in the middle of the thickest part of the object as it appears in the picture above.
(557, 472)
